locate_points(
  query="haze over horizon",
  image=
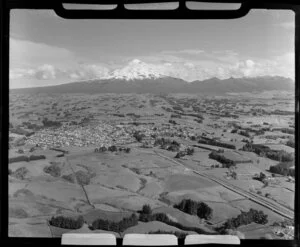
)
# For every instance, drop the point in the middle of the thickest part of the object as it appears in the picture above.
(48, 50)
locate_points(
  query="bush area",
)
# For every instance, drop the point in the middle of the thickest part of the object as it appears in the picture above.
(82, 177)
(285, 223)
(115, 226)
(66, 222)
(215, 143)
(291, 143)
(18, 213)
(70, 178)
(283, 168)
(167, 144)
(260, 177)
(176, 233)
(21, 131)
(285, 130)
(172, 122)
(20, 173)
(201, 209)
(48, 123)
(278, 155)
(54, 170)
(31, 126)
(244, 218)
(147, 216)
(187, 151)
(226, 163)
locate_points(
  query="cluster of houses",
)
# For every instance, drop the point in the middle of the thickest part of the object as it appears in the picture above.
(102, 134)
(80, 136)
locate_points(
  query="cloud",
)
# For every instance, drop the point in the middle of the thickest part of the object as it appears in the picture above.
(221, 64)
(50, 72)
(187, 51)
(44, 72)
(24, 53)
(89, 71)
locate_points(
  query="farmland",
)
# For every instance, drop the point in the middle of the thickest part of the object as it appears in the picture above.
(101, 156)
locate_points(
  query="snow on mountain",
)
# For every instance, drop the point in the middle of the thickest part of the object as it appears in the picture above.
(136, 69)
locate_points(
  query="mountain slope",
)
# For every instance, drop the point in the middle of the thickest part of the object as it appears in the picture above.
(166, 84)
(254, 84)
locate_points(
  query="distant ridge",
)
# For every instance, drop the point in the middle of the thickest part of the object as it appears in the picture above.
(165, 84)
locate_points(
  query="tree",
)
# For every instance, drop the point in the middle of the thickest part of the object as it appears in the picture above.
(190, 151)
(201, 209)
(244, 218)
(66, 222)
(146, 209)
(138, 136)
(112, 148)
(54, 170)
(102, 149)
(115, 226)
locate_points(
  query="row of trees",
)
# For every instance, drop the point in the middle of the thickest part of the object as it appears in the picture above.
(244, 218)
(244, 133)
(216, 143)
(176, 233)
(201, 209)
(175, 116)
(66, 222)
(278, 155)
(26, 158)
(112, 148)
(283, 168)
(115, 226)
(226, 163)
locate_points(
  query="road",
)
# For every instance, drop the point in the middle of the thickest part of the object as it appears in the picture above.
(277, 208)
(81, 185)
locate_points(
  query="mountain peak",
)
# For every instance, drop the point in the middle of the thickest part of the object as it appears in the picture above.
(136, 69)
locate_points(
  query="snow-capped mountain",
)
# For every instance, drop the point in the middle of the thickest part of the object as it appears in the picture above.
(136, 70)
(141, 77)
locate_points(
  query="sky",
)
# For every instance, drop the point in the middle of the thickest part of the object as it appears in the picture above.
(46, 49)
